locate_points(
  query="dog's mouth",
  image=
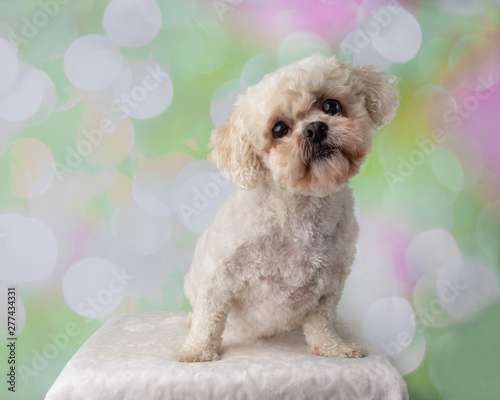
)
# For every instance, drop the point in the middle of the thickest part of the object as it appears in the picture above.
(319, 152)
(325, 153)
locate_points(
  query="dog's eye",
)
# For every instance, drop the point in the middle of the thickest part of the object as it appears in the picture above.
(280, 129)
(332, 107)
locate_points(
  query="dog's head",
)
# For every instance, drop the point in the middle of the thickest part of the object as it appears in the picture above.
(306, 127)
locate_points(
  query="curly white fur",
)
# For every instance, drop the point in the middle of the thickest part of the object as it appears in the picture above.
(280, 248)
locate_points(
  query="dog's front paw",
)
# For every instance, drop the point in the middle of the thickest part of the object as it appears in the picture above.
(193, 354)
(339, 350)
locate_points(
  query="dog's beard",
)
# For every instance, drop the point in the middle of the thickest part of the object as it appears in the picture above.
(327, 163)
(311, 152)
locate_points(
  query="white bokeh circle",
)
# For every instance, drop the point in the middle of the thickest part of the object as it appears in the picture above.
(28, 249)
(8, 66)
(429, 250)
(145, 91)
(224, 99)
(389, 324)
(138, 231)
(400, 40)
(92, 62)
(33, 93)
(464, 288)
(200, 190)
(356, 48)
(132, 23)
(94, 287)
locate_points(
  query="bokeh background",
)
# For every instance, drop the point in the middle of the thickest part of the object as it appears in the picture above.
(106, 108)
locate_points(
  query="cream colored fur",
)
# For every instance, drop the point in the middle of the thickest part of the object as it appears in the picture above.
(281, 246)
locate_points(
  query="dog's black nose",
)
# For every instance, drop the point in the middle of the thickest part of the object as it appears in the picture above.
(315, 131)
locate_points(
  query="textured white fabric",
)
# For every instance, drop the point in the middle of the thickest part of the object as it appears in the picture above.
(132, 357)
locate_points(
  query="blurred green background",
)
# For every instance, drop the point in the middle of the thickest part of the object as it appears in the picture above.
(106, 108)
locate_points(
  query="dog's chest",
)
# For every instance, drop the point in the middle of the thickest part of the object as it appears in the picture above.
(287, 262)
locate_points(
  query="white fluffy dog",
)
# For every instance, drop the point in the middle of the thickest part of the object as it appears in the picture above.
(281, 246)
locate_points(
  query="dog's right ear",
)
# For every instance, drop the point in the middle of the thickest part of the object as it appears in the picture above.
(381, 95)
(234, 154)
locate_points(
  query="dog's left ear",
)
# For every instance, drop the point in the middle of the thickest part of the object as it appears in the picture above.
(234, 153)
(381, 95)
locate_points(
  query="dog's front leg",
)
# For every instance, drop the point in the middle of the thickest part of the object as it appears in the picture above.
(320, 334)
(207, 325)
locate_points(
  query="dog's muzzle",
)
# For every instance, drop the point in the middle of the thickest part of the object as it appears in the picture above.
(315, 131)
